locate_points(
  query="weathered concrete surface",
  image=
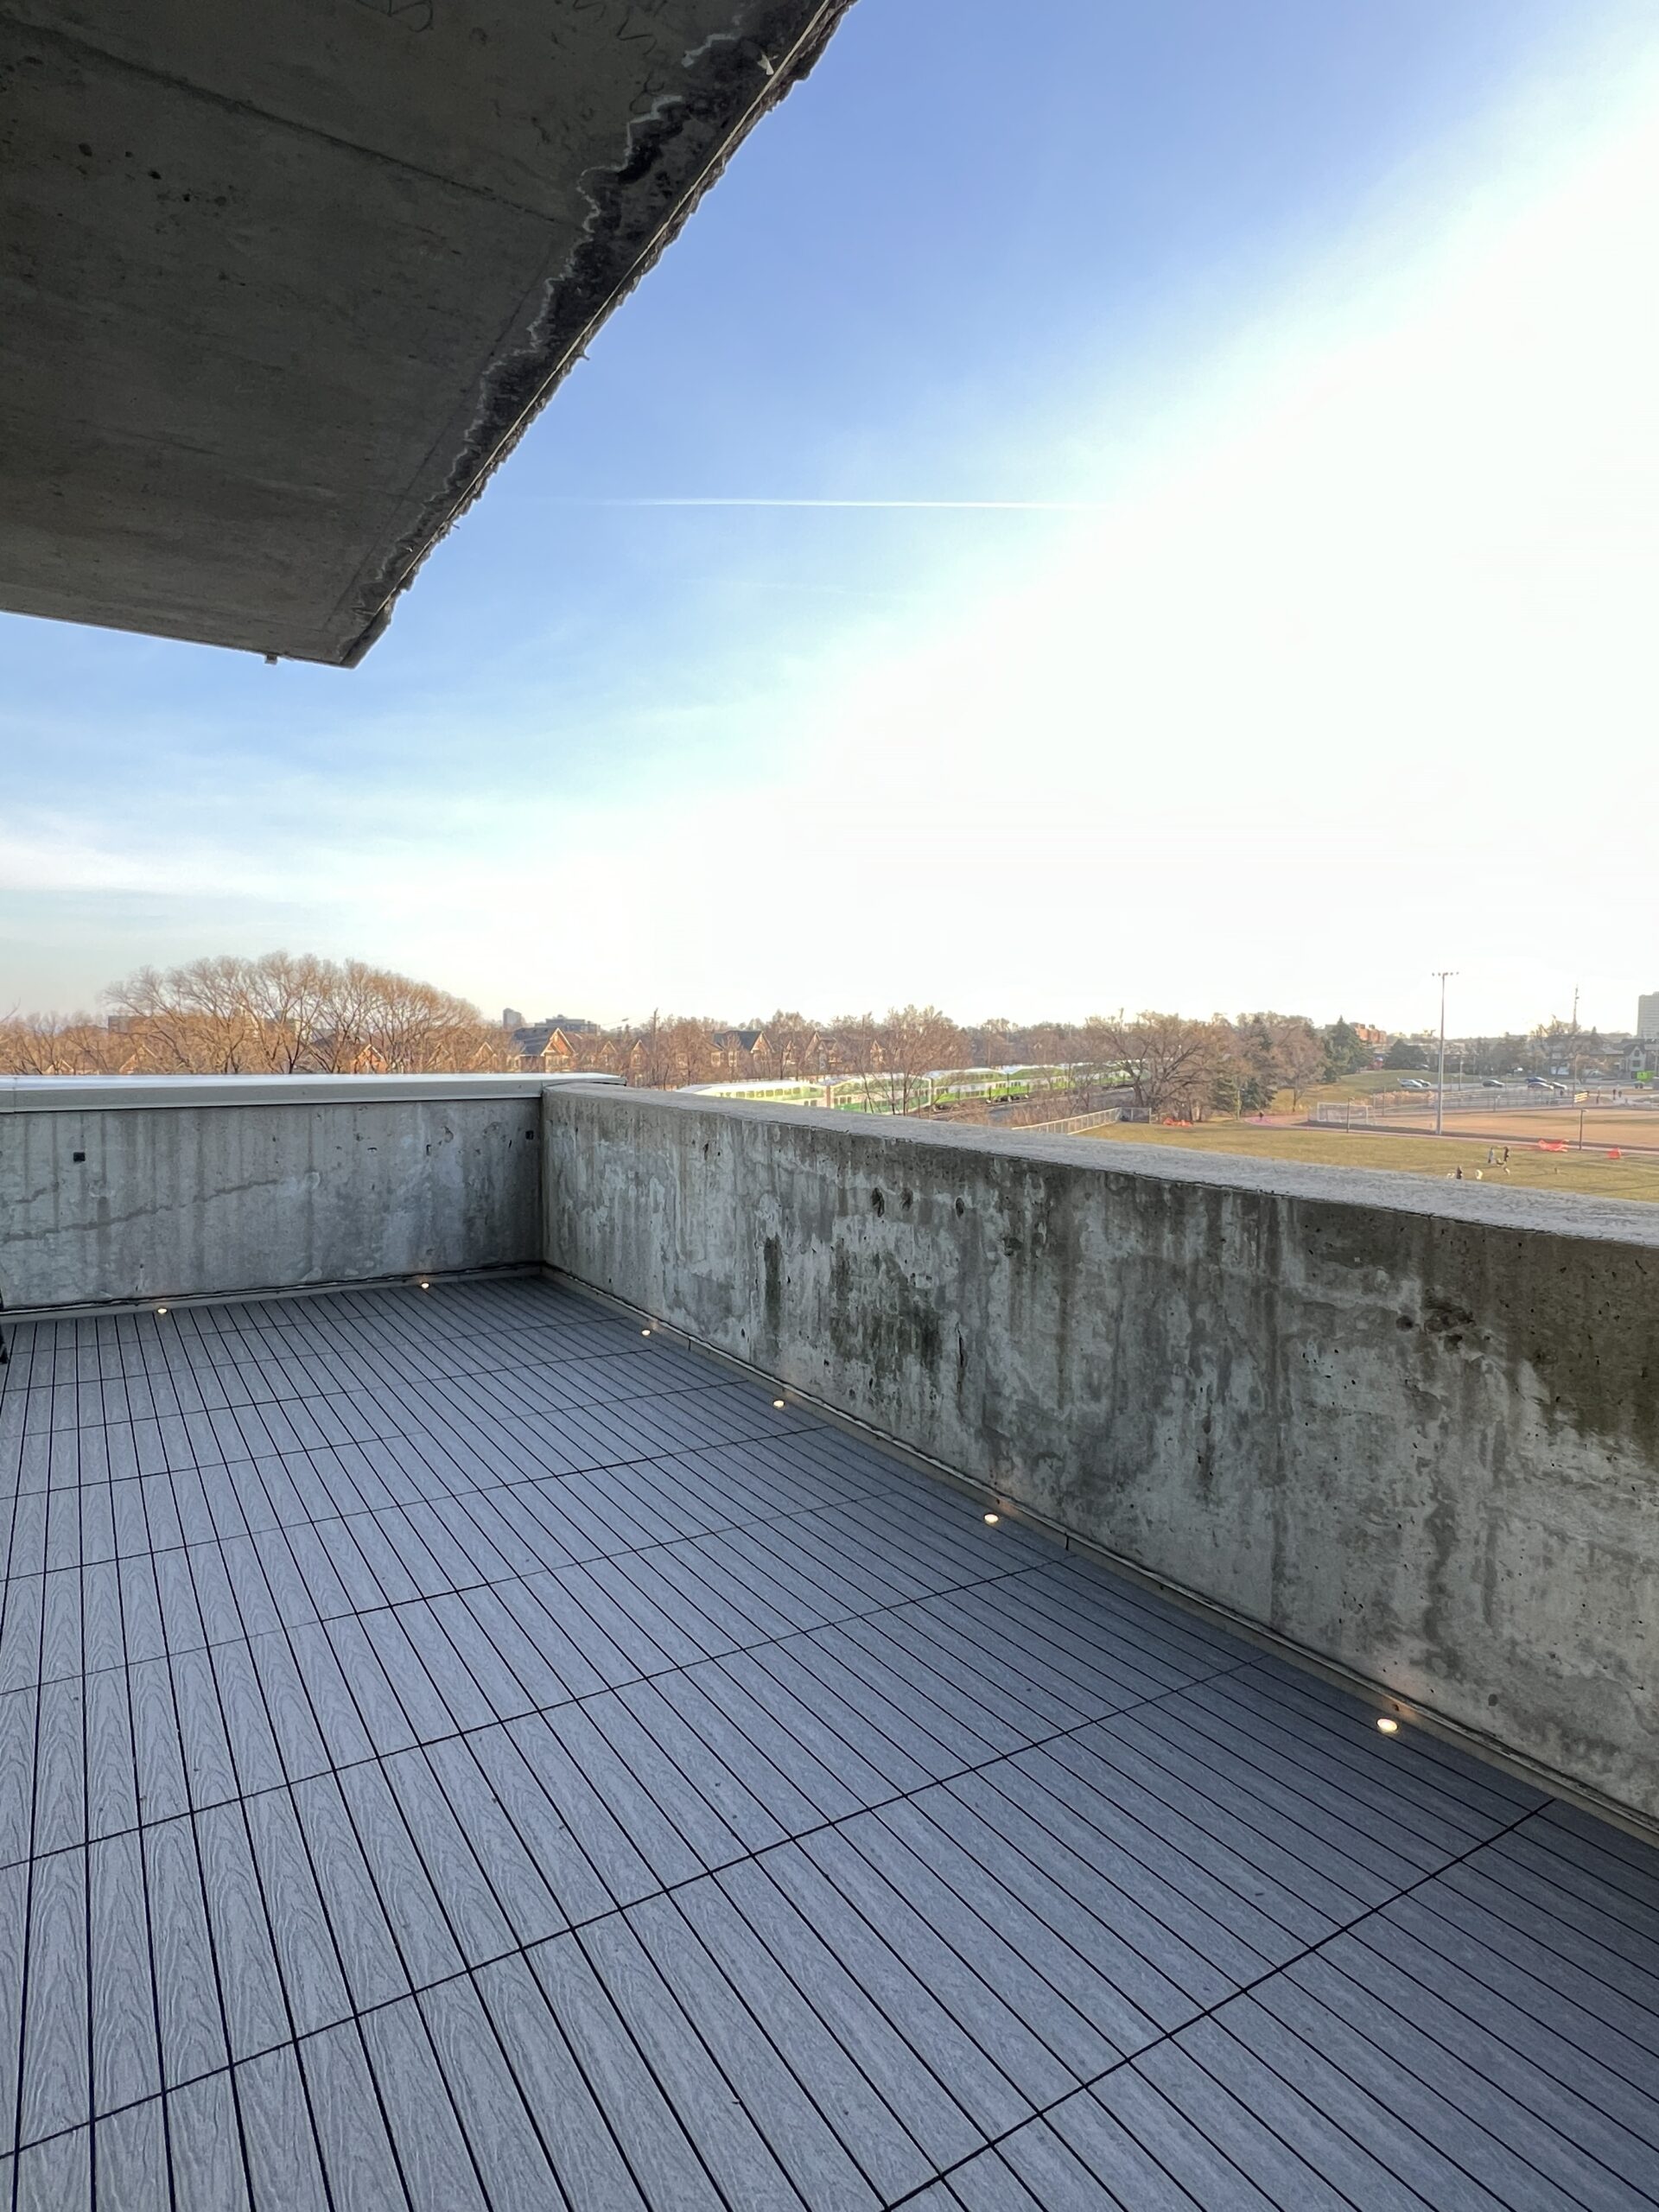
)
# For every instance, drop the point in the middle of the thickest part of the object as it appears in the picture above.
(1415, 1429)
(113, 1205)
(280, 285)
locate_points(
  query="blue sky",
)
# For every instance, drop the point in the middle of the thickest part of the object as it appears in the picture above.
(1321, 338)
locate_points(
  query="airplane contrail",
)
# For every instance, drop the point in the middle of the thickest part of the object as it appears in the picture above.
(1000, 506)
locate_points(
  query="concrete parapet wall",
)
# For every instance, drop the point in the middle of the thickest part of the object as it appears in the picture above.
(1412, 1428)
(110, 1192)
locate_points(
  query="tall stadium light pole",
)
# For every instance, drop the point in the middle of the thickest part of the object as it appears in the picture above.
(1439, 1087)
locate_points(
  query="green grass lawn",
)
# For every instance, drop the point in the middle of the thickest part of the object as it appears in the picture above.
(1590, 1173)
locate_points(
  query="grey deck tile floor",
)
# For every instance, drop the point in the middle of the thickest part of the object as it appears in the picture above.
(458, 1752)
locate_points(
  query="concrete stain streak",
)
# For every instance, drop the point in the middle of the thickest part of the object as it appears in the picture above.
(1423, 1444)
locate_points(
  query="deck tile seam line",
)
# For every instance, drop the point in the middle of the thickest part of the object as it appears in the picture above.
(1172, 2035)
(1311, 1950)
(1047, 1737)
(763, 1642)
(417, 1986)
(150, 1953)
(199, 1467)
(1640, 1906)
(1567, 1959)
(607, 1689)
(1273, 1973)
(378, 1755)
(1342, 1768)
(514, 1573)
(419, 1595)
(17, 2127)
(181, 1387)
(1375, 1998)
(81, 1425)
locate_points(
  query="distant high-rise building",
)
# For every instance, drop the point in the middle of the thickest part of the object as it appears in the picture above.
(1647, 1016)
(511, 1018)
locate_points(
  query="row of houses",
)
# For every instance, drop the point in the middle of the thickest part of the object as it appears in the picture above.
(559, 1045)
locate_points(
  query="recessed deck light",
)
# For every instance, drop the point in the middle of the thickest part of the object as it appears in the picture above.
(779, 1403)
(160, 1309)
(426, 1286)
(644, 1332)
(991, 1520)
(1387, 1724)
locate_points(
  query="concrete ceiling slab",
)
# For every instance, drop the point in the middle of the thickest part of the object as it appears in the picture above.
(280, 287)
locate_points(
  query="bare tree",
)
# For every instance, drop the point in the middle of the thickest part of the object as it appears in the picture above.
(1169, 1064)
(280, 1014)
(912, 1043)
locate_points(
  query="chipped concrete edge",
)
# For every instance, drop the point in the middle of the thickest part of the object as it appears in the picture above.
(614, 255)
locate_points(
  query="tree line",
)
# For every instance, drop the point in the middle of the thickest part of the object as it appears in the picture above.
(281, 1013)
(276, 1015)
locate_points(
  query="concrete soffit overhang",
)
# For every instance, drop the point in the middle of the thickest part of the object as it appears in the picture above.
(280, 287)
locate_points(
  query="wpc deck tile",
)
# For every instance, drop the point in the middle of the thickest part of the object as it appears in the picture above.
(256, 2016)
(508, 2154)
(1256, 1809)
(1275, 2127)
(284, 2169)
(712, 1810)
(814, 1970)
(983, 2086)
(877, 2137)
(521, 1888)
(125, 2058)
(358, 2158)
(481, 1928)
(1564, 2131)
(752, 1790)
(920, 1873)
(706, 2104)
(59, 1769)
(798, 2136)
(187, 1988)
(368, 1951)
(1017, 2029)
(1465, 1942)
(808, 1841)
(430, 2146)
(566, 2109)
(57, 2175)
(54, 2093)
(1168, 2130)
(130, 2155)
(426, 1945)
(652, 2140)
(305, 1955)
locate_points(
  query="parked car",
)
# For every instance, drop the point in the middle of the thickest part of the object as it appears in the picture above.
(1415, 1083)
(1493, 1082)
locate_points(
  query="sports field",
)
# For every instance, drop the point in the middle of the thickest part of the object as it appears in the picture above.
(1604, 1126)
(1590, 1173)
